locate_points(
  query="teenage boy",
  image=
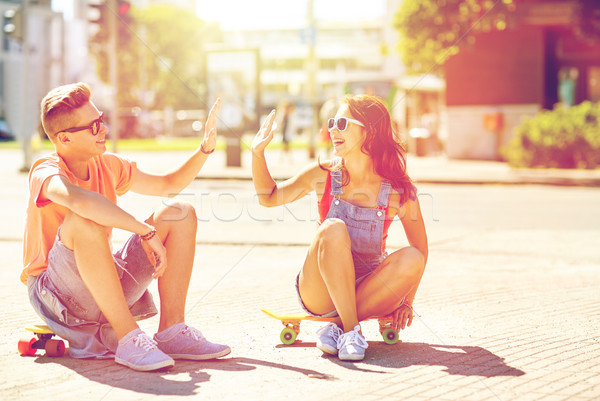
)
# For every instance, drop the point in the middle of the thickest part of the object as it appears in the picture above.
(84, 292)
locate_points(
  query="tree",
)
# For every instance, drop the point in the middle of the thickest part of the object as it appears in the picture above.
(433, 30)
(159, 52)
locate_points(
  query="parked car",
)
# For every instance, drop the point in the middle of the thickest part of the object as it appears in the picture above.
(5, 132)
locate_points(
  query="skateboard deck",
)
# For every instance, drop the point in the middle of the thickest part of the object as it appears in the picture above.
(292, 326)
(42, 340)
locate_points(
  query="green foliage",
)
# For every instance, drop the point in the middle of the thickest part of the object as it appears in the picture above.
(160, 57)
(561, 138)
(431, 31)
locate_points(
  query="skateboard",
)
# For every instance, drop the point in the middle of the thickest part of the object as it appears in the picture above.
(42, 340)
(292, 326)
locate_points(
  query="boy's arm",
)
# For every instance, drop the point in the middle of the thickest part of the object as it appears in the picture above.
(173, 182)
(91, 205)
(97, 208)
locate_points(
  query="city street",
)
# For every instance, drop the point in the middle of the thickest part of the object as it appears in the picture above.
(508, 306)
(492, 108)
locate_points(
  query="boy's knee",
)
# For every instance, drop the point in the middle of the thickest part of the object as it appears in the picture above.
(178, 210)
(76, 227)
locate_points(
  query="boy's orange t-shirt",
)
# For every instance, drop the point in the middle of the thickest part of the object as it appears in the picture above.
(109, 174)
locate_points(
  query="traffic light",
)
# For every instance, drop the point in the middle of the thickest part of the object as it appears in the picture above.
(98, 13)
(123, 8)
(13, 23)
(124, 20)
(97, 17)
(101, 11)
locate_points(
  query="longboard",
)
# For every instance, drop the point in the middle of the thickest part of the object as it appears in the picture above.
(42, 340)
(292, 326)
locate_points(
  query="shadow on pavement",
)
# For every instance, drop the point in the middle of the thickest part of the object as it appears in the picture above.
(251, 363)
(169, 382)
(458, 360)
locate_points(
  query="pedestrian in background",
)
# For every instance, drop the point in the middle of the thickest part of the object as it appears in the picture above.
(347, 273)
(286, 109)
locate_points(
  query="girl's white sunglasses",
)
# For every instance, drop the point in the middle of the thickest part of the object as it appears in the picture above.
(341, 123)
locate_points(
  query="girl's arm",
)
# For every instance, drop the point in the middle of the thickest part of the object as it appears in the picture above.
(414, 227)
(269, 192)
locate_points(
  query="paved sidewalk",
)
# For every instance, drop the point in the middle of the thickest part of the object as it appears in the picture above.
(477, 338)
(508, 311)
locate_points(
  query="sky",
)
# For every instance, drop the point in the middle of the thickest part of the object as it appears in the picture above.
(270, 13)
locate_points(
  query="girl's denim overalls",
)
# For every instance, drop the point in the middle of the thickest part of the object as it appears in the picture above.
(365, 225)
(365, 228)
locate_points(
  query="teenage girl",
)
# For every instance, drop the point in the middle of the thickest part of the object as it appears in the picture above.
(347, 273)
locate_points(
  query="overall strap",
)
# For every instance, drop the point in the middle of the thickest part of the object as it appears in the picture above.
(336, 180)
(384, 194)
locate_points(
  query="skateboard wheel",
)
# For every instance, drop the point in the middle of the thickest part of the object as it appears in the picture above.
(390, 336)
(55, 348)
(287, 336)
(26, 346)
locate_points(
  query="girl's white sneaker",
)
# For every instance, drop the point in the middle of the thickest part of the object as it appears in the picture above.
(352, 345)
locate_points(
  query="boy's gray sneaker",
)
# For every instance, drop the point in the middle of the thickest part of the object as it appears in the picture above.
(352, 345)
(327, 339)
(139, 352)
(184, 342)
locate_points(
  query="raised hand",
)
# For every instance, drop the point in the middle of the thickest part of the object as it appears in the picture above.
(264, 134)
(210, 129)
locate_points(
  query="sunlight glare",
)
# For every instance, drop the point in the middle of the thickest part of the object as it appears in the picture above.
(270, 14)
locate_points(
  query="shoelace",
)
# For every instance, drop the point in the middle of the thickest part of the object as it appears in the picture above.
(331, 330)
(145, 342)
(352, 338)
(192, 332)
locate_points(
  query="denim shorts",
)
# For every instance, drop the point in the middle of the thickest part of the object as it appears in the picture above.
(363, 266)
(61, 298)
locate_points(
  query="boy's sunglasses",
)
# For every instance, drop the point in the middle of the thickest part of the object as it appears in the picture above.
(341, 123)
(94, 126)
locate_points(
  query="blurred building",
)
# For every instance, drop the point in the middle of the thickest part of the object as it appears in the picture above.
(508, 75)
(346, 53)
(189, 5)
(305, 64)
(31, 62)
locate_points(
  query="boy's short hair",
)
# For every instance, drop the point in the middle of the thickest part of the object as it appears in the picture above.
(59, 102)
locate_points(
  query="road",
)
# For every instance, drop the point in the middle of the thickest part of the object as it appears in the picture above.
(229, 210)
